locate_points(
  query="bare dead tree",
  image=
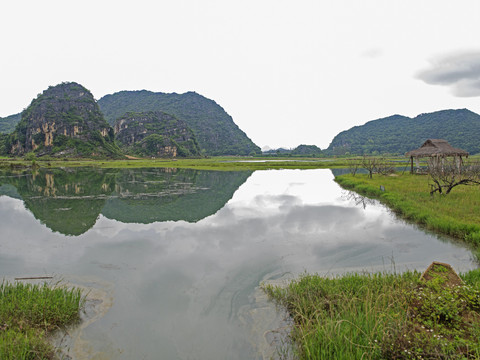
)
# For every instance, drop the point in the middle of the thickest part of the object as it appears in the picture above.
(448, 174)
(369, 163)
(353, 165)
(384, 167)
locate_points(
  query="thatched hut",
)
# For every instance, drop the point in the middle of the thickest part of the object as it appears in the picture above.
(437, 150)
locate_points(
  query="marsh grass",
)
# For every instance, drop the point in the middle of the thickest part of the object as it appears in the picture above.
(29, 313)
(214, 163)
(381, 316)
(456, 214)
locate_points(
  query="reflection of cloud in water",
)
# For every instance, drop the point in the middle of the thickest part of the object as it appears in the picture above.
(177, 280)
(275, 201)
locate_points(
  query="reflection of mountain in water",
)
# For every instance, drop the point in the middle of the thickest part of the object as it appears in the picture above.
(148, 195)
(69, 201)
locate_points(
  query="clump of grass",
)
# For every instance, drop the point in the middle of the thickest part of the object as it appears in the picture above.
(381, 316)
(29, 313)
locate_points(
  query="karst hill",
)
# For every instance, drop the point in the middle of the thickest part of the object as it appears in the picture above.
(64, 120)
(214, 129)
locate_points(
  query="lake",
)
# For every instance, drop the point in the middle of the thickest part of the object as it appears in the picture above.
(172, 259)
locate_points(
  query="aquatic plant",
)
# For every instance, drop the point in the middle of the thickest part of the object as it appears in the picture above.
(29, 313)
(382, 316)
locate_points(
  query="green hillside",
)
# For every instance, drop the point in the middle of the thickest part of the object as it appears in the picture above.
(214, 129)
(7, 124)
(398, 134)
(155, 133)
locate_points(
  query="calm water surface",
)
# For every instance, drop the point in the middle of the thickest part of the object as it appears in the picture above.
(173, 259)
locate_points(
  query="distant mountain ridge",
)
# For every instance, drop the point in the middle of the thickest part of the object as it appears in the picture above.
(214, 129)
(7, 124)
(300, 151)
(398, 134)
(215, 133)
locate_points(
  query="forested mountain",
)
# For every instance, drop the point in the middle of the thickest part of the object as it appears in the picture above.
(214, 129)
(398, 134)
(7, 124)
(155, 133)
(64, 120)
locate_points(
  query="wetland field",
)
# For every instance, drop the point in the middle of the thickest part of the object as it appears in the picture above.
(174, 260)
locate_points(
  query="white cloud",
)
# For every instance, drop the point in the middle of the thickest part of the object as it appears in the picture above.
(458, 71)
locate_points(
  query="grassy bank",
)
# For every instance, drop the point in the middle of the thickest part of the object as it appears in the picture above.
(456, 214)
(382, 316)
(392, 316)
(28, 316)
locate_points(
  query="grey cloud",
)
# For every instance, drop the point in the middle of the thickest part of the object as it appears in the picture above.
(372, 53)
(459, 71)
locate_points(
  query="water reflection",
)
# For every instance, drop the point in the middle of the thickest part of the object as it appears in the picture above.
(70, 200)
(190, 290)
(358, 199)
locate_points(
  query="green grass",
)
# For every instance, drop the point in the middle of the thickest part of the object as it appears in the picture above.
(456, 214)
(381, 316)
(213, 163)
(30, 313)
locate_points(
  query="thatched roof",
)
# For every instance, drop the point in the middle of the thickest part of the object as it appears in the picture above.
(438, 148)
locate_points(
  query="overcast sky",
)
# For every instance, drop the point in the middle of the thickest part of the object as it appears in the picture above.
(288, 72)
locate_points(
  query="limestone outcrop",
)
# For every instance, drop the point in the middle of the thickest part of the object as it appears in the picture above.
(155, 134)
(63, 120)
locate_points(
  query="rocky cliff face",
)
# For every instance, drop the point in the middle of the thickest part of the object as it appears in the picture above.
(214, 129)
(63, 120)
(155, 134)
